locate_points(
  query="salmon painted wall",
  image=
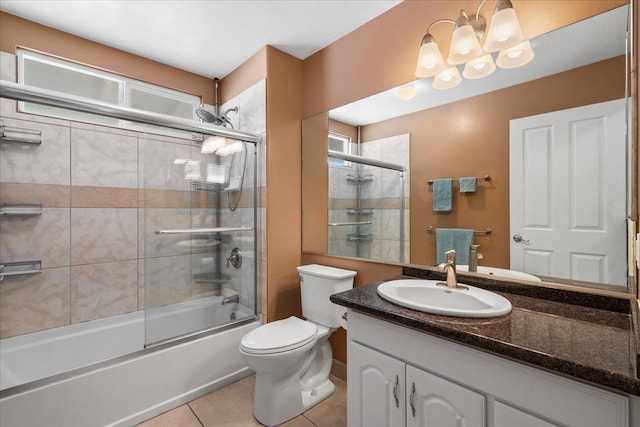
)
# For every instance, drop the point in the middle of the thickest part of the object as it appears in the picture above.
(282, 194)
(17, 32)
(284, 180)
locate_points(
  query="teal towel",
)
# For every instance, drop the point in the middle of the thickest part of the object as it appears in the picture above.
(458, 239)
(442, 195)
(468, 184)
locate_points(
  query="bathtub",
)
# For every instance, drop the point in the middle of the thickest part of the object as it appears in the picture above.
(97, 372)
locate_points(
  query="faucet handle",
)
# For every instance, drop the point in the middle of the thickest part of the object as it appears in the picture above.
(451, 256)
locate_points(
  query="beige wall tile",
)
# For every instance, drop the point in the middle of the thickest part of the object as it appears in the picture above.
(103, 235)
(103, 197)
(44, 237)
(167, 280)
(49, 196)
(166, 244)
(159, 170)
(34, 302)
(103, 290)
(103, 159)
(45, 163)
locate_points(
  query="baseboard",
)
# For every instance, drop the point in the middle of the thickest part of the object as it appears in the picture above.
(339, 369)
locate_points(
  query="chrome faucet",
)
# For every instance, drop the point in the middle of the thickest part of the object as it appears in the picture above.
(450, 268)
(231, 299)
(474, 256)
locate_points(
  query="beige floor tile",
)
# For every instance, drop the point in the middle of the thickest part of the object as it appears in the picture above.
(331, 412)
(181, 416)
(299, 421)
(231, 406)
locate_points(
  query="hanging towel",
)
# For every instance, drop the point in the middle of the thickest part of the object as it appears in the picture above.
(468, 184)
(442, 195)
(458, 239)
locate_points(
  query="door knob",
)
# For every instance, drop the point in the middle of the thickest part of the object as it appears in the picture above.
(519, 239)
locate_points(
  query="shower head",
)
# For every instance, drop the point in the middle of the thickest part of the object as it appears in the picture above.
(209, 117)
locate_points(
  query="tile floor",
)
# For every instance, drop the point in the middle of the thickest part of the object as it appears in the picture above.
(232, 405)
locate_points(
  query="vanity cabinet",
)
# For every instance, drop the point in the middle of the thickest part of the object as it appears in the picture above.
(401, 377)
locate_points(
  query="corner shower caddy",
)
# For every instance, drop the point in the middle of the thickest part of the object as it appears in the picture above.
(363, 179)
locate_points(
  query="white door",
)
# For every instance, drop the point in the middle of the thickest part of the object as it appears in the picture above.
(375, 389)
(436, 402)
(567, 194)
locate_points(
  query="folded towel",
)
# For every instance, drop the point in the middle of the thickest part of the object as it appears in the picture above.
(468, 184)
(458, 239)
(442, 195)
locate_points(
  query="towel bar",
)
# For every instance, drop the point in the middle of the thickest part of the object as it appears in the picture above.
(486, 231)
(483, 178)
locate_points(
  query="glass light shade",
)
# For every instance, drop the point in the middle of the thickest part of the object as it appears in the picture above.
(479, 67)
(430, 60)
(464, 45)
(447, 79)
(515, 56)
(406, 92)
(504, 31)
(212, 144)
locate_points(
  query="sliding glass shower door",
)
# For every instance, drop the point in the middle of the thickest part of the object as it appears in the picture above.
(199, 236)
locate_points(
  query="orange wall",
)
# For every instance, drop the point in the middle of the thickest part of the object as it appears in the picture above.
(18, 32)
(246, 75)
(284, 177)
(283, 75)
(382, 53)
(471, 138)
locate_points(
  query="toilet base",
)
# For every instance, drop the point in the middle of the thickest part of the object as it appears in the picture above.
(279, 398)
(284, 406)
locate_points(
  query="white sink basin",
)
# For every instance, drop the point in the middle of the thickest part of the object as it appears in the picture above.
(501, 272)
(428, 296)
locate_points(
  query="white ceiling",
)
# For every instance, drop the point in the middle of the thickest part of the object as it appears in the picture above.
(206, 37)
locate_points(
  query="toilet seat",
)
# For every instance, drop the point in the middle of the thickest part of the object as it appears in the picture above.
(279, 336)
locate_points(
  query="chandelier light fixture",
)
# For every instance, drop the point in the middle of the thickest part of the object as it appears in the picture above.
(503, 35)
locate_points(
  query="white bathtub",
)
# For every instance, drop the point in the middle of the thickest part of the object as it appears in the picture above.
(129, 388)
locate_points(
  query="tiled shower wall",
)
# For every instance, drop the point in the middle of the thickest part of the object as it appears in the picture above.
(381, 194)
(91, 235)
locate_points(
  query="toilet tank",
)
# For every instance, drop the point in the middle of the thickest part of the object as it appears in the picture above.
(317, 283)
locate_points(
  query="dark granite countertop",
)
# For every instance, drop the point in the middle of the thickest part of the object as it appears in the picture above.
(588, 337)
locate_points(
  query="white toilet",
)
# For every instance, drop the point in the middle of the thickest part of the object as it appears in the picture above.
(292, 357)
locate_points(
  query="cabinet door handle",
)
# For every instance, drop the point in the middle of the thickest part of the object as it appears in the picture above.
(395, 391)
(411, 399)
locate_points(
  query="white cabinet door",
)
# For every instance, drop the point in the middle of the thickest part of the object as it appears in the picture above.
(506, 416)
(375, 390)
(436, 402)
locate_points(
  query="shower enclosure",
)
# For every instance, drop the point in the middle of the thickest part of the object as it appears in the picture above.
(115, 240)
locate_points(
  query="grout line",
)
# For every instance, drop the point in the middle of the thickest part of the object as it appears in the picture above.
(194, 414)
(307, 418)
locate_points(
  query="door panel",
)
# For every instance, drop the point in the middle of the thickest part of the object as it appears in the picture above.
(436, 402)
(567, 194)
(375, 388)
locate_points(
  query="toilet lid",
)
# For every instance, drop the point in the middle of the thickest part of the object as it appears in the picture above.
(279, 336)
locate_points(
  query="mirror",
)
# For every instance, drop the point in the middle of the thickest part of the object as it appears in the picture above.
(465, 132)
